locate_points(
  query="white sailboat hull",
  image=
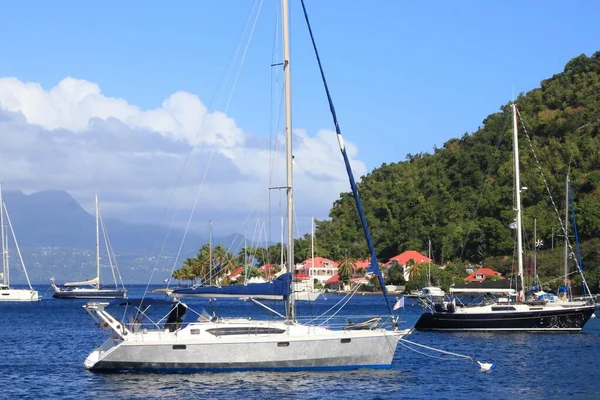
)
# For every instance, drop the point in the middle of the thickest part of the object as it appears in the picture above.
(297, 347)
(19, 295)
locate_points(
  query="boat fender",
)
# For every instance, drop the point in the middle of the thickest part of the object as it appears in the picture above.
(451, 308)
(440, 307)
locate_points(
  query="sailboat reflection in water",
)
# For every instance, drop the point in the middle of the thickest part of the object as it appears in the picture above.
(215, 344)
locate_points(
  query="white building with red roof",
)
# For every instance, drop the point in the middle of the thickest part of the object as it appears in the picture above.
(319, 268)
(402, 260)
(482, 274)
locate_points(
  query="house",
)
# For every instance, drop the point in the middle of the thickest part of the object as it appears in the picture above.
(237, 274)
(318, 268)
(334, 283)
(402, 259)
(267, 270)
(482, 274)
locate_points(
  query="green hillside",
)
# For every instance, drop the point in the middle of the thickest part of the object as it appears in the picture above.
(461, 195)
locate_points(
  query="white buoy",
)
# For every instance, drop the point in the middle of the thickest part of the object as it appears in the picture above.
(486, 366)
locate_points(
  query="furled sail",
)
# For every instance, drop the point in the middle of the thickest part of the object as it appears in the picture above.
(91, 282)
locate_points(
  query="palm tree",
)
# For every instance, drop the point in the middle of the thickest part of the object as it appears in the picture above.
(414, 269)
(346, 270)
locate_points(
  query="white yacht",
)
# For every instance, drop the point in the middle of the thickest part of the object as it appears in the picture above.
(8, 293)
(213, 344)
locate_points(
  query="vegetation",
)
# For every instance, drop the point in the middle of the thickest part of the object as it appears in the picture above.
(461, 196)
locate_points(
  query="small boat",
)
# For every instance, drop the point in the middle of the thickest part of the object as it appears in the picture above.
(8, 293)
(91, 288)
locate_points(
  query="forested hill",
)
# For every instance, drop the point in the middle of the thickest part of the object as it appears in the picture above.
(461, 196)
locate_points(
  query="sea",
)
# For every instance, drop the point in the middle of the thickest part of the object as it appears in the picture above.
(43, 346)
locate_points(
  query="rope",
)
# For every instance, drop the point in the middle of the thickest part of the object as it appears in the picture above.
(374, 266)
(560, 222)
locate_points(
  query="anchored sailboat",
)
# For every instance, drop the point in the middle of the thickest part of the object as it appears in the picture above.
(216, 344)
(7, 293)
(91, 289)
(508, 315)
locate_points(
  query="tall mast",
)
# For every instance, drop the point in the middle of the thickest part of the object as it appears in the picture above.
(535, 250)
(429, 267)
(518, 203)
(97, 244)
(282, 246)
(5, 279)
(566, 231)
(210, 252)
(312, 241)
(288, 148)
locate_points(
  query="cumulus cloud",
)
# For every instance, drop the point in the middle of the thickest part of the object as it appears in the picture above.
(72, 137)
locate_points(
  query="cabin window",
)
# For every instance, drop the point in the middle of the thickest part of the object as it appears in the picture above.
(346, 340)
(195, 331)
(179, 347)
(245, 331)
(283, 344)
(503, 308)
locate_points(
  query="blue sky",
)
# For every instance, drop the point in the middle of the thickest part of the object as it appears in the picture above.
(405, 76)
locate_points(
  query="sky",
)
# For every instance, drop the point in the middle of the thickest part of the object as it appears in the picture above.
(150, 105)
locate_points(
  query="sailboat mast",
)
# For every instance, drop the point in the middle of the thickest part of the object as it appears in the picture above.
(312, 241)
(429, 267)
(97, 244)
(4, 244)
(288, 148)
(210, 252)
(518, 203)
(535, 250)
(566, 231)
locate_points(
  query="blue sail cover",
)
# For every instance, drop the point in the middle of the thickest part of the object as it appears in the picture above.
(280, 286)
(373, 264)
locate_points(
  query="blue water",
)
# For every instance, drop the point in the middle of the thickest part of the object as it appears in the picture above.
(43, 346)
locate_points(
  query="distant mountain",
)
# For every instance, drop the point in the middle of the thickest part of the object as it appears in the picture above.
(58, 238)
(53, 218)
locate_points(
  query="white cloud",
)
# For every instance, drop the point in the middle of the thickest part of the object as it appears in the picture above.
(72, 137)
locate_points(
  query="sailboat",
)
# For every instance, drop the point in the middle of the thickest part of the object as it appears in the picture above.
(216, 344)
(504, 314)
(430, 292)
(91, 289)
(7, 293)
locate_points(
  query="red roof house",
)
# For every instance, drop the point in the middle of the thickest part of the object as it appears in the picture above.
(482, 274)
(404, 258)
(236, 274)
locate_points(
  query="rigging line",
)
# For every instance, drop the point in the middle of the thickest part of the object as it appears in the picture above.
(214, 100)
(484, 186)
(189, 222)
(353, 292)
(213, 151)
(560, 222)
(374, 266)
(423, 353)
(243, 56)
(438, 350)
(110, 261)
(12, 231)
(233, 57)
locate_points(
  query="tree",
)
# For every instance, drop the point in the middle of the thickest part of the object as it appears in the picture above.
(414, 269)
(395, 275)
(346, 270)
